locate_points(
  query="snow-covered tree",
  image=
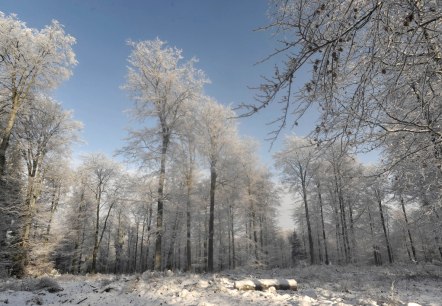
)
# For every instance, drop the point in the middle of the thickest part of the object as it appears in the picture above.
(160, 85)
(102, 181)
(217, 131)
(44, 129)
(375, 69)
(186, 164)
(296, 161)
(31, 60)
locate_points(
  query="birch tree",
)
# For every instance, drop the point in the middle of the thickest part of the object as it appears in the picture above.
(160, 84)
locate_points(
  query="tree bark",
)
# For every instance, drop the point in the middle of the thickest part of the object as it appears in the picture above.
(54, 205)
(170, 253)
(387, 240)
(188, 220)
(307, 216)
(322, 224)
(343, 220)
(376, 254)
(149, 227)
(253, 224)
(80, 255)
(30, 207)
(205, 239)
(31, 199)
(345, 240)
(264, 284)
(119, 245)
(108, 251)
(99, 237)
(213, 177)
(353, 235)
(97, 227)
(137, 225)
(78, 241)
(159, 230)
(437, 239)
(6, 135)
(232, 232)
(413, 249)
(142, 261)
(337, 229)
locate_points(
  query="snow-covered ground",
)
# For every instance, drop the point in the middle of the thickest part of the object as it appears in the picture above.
(317, 285)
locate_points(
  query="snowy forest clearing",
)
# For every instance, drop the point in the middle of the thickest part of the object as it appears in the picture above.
(186, 189)
(317, 285)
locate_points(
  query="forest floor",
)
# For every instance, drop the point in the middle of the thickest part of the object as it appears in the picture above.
(317, 285)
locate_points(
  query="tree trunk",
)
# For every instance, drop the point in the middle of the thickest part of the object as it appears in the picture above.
(119, 245)
(159, 232)
(264, 284)
(97, 228)
(229, 237)
(80, 255)
(387, 241)
(142, 262)
(78, 228)
(322, 224)
(134, 269)
(437, 240)
(345, 240)
(170, 254)
(6, 135)
(149, 227)
(144, 246)
(108, 250)
(213, 177)
(199, 244)
(188, 221)
(376, 254)
(129, 250)
(307, 217)
(30, 207)
(413, 249)
(30, 201)
(320, 259)
(404, 238)
(100, 238)
(337, 231)
(352, 232)
(253, 225)
(205, 238)
(222, 249)
(262, 240)
(54, 205)
(232, 236)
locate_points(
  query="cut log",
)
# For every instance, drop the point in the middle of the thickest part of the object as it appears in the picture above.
(264, 284)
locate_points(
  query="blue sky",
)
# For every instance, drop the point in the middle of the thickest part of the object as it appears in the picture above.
(219, 33)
